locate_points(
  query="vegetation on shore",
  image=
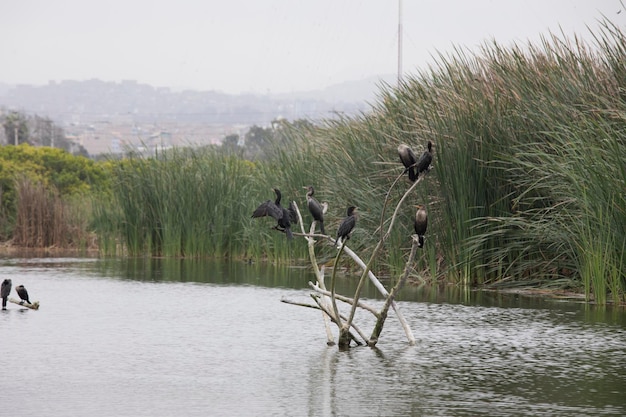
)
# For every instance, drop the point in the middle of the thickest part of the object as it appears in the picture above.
(45, 196)
(528, 184)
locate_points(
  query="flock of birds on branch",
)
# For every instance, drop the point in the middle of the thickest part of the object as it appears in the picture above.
(5, 290)
(286, 216)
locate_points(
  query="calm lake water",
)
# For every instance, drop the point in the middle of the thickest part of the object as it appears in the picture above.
(197, 338)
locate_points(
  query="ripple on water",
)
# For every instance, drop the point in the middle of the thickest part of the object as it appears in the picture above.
(211, 348)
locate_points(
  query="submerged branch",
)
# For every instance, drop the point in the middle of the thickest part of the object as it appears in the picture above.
(319, 274)
(311, 244)
(333, 278)
(300, 304)
(382, 290)
(354, 326)
(366, 270)
(382, 316)
(326, 313)
(345, 299)
(345, 324)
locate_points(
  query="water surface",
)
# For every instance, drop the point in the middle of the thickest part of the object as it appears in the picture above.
(194, 338)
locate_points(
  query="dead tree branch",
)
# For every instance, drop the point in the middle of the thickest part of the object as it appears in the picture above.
(346, 300)
(342, 335)
(382, 315)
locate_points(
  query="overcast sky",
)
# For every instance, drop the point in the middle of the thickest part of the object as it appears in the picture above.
(263, 45)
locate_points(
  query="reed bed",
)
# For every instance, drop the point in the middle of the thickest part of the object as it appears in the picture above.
(528, 176)
(39, 213)
(177, 203)
(44, 219)
(529, 163)
(527, 185)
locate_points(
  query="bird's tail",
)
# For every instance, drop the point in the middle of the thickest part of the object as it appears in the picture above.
(289, 234)
(322, 228)
(4, 303)
(412, 174)
(420, 241)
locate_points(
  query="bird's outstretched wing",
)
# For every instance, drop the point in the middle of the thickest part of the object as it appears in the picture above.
(268, 208)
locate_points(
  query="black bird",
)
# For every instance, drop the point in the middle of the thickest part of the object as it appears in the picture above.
(409, 160)
(420, 224)
(425, 159)
(347, 225)
(293, 215)
(315, 208)
(5, 290)
(282, 215)
(21, 291)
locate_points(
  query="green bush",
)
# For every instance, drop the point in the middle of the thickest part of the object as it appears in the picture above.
(55, 169)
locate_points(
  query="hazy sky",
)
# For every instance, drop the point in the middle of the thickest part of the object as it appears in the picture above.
(263, 45)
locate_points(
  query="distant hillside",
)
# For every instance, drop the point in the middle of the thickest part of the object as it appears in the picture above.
(359, 91)
(4, 88)
(84, 101)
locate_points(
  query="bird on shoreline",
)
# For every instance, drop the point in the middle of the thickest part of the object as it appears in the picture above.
(283, 216)
(21, 291)
(5, 290)
(420, 224)
(346, 226)
(315, 208)
(408, 159)
(423, 164)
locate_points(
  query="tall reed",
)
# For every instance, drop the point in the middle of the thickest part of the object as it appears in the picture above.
(528, 142)
(44, 219)
(527, 185)
(179, 203)
(549, 184)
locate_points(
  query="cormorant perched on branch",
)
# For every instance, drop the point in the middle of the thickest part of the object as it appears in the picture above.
(284, 216)
(315, 208)
(420, 224)
(5, 290)
(409, 160)
(21, 291)
(425, 159)
(346, 225)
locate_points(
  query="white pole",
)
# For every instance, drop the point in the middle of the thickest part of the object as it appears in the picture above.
(399, 42)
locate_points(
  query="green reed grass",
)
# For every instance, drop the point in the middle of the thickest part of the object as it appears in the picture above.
(520, 133)
(179, 203)
(527, 185)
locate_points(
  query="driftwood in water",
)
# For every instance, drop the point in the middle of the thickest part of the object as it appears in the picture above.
(326, 298)
(344, 299)
(344, 339)
(382, 315)
(32, 306)
(319, 272)
(327, 316)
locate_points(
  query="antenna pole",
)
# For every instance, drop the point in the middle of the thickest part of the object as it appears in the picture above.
(399, 42)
